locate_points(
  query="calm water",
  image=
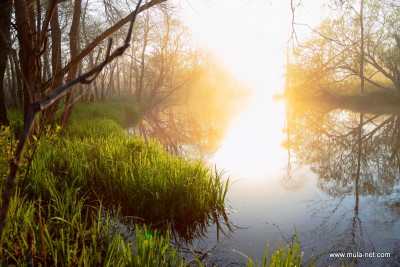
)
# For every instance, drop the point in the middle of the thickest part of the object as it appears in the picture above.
(334, 175)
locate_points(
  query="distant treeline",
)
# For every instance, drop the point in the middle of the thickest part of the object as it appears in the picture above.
(356, 48)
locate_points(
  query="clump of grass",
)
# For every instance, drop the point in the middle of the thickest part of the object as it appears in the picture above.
(63, 227)
(98, 159)
(97, 128)
(6, 149)
(65, 232)
(148, 182)
(289, 255)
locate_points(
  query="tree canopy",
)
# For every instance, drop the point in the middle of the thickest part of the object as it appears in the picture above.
(359, 39)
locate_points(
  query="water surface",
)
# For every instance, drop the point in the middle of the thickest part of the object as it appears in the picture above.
(333, 175)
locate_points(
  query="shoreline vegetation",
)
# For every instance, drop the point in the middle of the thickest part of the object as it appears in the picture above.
(76, 188)
(374, 101)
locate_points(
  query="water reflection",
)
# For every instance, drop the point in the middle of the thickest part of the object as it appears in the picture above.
(357, 161)
(252, 148)
(291, 180)
(186, 232)
(334, 174)
(182, 233)
(350, 152)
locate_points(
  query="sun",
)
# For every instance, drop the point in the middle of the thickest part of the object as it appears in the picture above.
(249, 36)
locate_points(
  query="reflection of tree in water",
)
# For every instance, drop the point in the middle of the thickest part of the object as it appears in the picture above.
(355, 156)
(292, 180)
(194, 121)
(340, 146)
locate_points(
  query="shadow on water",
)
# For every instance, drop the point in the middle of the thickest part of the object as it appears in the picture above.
(182, 233)
(356, 158)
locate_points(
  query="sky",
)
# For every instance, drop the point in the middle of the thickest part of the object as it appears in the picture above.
(250, 36)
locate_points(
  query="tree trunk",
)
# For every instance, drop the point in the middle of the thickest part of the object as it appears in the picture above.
(18, 81)
(102, 88)
(118, 81)
(74, 50)
(362, 47)
(139, 89)
(27, 51)
(5, 22)
(56, 62)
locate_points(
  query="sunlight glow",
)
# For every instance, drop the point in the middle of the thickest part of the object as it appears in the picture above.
(249, 36)
(252, 148)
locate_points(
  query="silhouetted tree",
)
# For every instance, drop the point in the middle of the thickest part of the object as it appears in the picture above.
(5, 22)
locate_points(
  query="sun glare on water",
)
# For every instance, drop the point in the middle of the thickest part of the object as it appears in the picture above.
(252, 148)
(250, 38)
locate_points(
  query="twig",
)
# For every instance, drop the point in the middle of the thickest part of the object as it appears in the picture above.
(35, 108)
(279, 229)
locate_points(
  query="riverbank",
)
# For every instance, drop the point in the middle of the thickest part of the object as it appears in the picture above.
(373, 101)
(95, 196)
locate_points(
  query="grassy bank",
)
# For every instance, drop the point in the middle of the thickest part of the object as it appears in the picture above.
(59, 213)
(107, 164)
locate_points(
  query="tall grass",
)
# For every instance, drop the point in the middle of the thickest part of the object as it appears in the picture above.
(66, 232)
(56, 218)
(58, 224)
(289, 256)
(146, 181)
(284, 256)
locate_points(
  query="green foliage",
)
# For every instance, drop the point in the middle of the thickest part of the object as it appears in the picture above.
(16, 119)
(65, 232)
(150, 183)
(6, 149)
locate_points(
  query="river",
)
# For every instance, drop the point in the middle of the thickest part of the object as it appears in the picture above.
(331, 175)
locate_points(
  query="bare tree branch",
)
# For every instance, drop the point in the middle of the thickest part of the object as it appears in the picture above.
(89, 48)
